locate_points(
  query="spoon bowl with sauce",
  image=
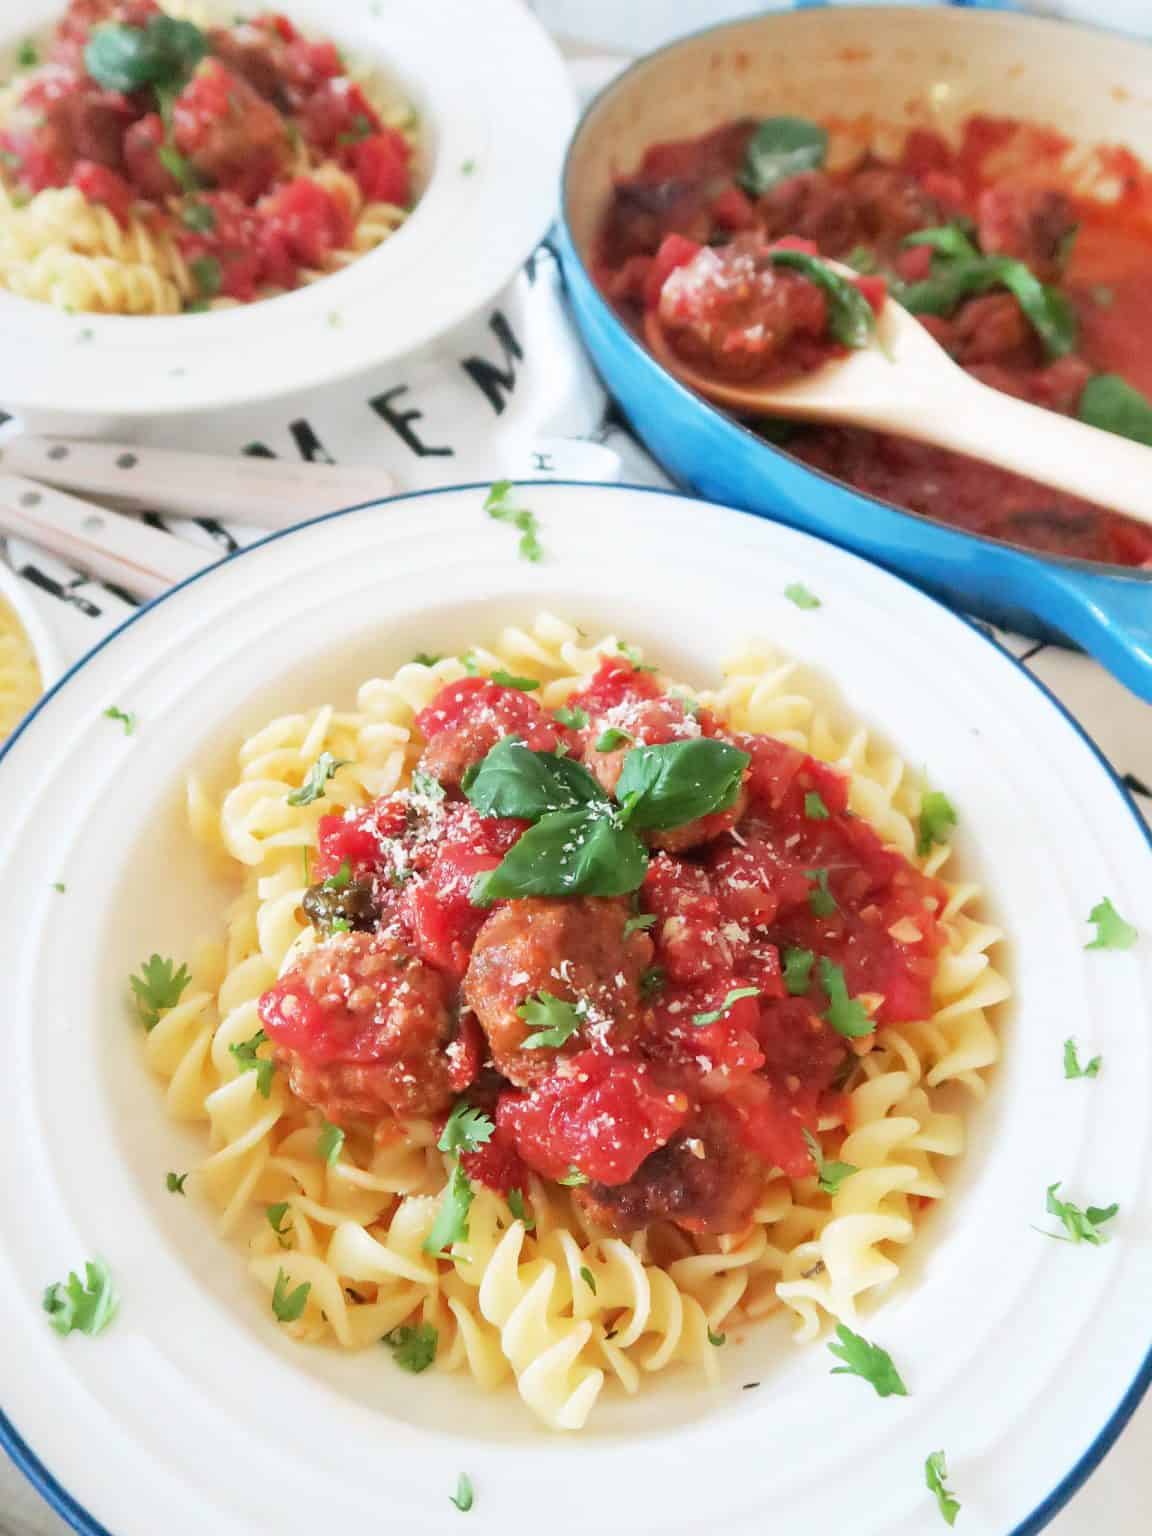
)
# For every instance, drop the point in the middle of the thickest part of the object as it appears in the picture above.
(891, 375)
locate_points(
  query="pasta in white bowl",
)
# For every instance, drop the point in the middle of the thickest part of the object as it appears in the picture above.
(865, 673)
(171, 166)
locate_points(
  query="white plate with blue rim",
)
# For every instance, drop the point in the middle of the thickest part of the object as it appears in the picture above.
(191, 1411)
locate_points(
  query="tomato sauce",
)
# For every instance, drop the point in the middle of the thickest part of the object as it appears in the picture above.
(659, 1052)
(997, 195)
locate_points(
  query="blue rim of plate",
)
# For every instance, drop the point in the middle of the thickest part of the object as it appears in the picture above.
(61, 1501)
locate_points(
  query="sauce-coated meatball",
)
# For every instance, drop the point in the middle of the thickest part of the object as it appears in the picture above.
(576, 951)
(365, 1028)
(704, 1180)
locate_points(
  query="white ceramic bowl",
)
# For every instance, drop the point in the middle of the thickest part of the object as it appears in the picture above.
(493, 94)
(1023, 1356)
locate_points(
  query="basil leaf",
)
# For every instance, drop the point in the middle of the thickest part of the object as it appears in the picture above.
(1046, 309)
(515, 781)
(851, 319)
(1110, 403)
(585, 852)
(164, 52)
(780, 148)
(946, 240)
(666, 786)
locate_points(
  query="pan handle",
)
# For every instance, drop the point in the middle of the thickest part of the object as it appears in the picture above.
(1110, 616)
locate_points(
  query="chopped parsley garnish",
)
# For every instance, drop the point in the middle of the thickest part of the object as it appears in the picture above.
(205, 269)
(330, 1143)
(640, 922)
(796, 592)
(28, 55)
(467, 167)
(868, 1361)
(573, 1177)
(519, 1211)
(426, 787)
(716, 1339)
(197, 216)
(464, 1497)
(634, 655)
(714, 1015)
(512, 680)
(1112, 932)
(361, 129)
(451, 1224)
(574, 719)
(286, 1304)
(339, 925)
(1079, 1226)
(82, 1306)
(1072, 1067)
(174, 1183)
(413, 1347)
(935, 1472)
(588, 1278)
(158, 987)
(426, 659)
(466, 1129)
(126, 718)
(244, 1054)
(814, 807)
(612, 738)
(469, 663)
(798, 965)
(58, 885)
(937, 820)
(318, 775)
(652, 981)
(341, 880)
(498, 505)
(554, 1021)
(821, 900)
(275, 1216)
(829, 1176)
(847, 1016)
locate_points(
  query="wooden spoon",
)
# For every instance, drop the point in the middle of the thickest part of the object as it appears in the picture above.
(905, 383)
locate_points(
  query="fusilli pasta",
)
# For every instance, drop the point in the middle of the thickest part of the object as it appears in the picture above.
(61, 248)
(20, 681)
(562, 1309)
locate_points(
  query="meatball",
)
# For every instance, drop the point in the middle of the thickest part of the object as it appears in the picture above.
(734, 313)
(704, 1180)
(990, 328)
(891, 204)
(575, 950)
(466, 719)
(364, 1028)
(705, 829)
(229, 133)
(1032, 224)
(814, 207)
